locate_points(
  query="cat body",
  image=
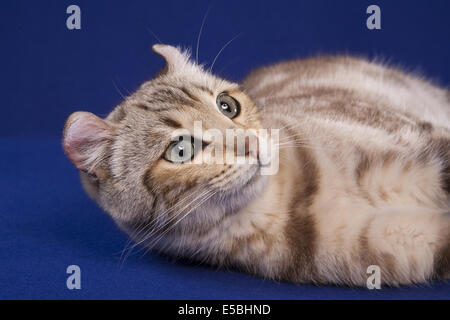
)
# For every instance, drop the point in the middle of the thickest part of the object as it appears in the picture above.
(363, 177)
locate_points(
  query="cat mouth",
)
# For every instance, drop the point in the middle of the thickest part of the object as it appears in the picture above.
(251, 177)
(254, 177)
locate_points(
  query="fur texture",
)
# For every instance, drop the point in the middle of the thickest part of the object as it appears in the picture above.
(363, 179)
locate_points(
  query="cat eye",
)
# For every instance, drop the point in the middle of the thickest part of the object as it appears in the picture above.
(228, 105)
(181, 151)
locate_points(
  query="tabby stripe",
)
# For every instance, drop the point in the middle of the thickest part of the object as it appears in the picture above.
(300, 229)
(206, 89)
(442, 261)
(170, 122)
(189, 94)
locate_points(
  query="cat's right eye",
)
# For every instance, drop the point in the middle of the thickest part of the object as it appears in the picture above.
(228, 105)
(181, 150)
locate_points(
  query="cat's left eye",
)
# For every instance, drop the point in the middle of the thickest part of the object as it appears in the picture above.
(181, 151)
(228, 105)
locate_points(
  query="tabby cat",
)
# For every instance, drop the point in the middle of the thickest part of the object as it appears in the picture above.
(363, 176)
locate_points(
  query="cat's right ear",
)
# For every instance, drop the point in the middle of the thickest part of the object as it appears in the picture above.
(176, 59)
(85, 138)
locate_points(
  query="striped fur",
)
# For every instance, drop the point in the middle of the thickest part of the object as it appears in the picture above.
(364, 176)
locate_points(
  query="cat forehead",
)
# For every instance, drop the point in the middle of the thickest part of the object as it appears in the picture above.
(166, 93)
(200, 81)
(157, 105)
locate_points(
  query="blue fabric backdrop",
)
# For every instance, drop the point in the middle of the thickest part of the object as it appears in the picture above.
(47, 72)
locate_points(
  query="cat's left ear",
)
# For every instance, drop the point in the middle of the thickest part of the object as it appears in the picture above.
(176, 59)
(85, 139)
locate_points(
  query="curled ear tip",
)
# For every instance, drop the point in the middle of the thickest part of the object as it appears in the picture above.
(155, 47)
(83, 121)
(163, 49)
(70, 120)
(75, 117)
(176, 59)
(78, 114)
(83, 115)
(159, 46)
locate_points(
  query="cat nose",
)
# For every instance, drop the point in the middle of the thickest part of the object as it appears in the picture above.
(251, 146)
(248, 147)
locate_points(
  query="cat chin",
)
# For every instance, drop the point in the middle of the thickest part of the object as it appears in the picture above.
(241, 190)
(226, 201)
(243, 178)
(240, 194)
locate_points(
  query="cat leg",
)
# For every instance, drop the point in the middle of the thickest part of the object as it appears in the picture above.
(409, 245)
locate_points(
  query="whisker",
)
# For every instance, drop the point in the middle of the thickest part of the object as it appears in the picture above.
(200, 33)
(143, 227)
(297, 138)
(220, 51)
(155, 241)
(118, 90)
(206, 195)
(156, 230)
(163, 214)
(227, 65)
(293, 144)
(154, 35)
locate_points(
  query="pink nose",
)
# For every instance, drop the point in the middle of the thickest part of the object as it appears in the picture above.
(247, 146)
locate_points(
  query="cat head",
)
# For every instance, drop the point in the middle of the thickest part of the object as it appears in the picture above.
(141, 165)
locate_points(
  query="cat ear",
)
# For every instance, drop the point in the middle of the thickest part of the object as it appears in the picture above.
(175, 58)
(85, 138)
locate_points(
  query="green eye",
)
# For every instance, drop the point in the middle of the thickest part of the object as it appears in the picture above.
(228, 105)
(181, 150)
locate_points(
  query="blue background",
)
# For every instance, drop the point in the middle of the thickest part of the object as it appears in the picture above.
(47, 72)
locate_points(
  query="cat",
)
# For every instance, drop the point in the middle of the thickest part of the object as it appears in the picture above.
(363, 176)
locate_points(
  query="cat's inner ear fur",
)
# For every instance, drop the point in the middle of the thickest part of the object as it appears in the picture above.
(85, 140)
(176, 60)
